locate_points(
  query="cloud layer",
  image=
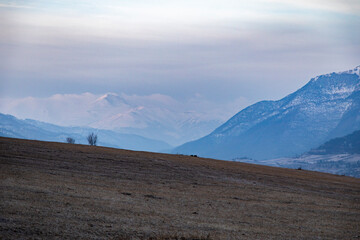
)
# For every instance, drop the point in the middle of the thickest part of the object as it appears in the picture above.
(222, 50)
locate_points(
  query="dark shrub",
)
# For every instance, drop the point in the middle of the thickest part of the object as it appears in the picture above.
(92, 139)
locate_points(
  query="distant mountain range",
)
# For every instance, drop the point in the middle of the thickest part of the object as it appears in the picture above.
(153, 116)
(31, 129)
(328, 106)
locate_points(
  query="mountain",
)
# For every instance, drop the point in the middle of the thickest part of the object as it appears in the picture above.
(327, 106)
(31, 129)
(160, 120)
(348, 144)
(337, 156)
(154, 116)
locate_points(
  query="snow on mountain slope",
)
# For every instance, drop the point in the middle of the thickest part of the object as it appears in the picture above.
(326, 107)
(159, 117)
(153, 116)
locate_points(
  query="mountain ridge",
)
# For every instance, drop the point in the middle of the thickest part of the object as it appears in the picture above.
(349, 144)
(11, 126)
(287, 127)
(154, 116)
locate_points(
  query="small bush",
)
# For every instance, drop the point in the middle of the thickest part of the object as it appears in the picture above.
(92, 139)
(70, 140)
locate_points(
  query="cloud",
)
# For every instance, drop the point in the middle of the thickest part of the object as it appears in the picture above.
(199, 59)
(59, 109)
(55, 109)
(346, 6)
(219, 49)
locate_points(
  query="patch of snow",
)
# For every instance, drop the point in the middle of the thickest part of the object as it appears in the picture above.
(356, 71)
(315, 78)
(341, 90)
(296, 101)
(353, 71)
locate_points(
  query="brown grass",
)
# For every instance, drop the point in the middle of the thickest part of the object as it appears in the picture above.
(66, 191)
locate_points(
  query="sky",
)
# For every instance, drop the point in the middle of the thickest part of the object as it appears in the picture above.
(224, 51)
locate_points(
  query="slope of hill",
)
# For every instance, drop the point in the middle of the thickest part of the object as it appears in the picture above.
(327, 107)
(348, 144)
(66, 191)
(31, 129)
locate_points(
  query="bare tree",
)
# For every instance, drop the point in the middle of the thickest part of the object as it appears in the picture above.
(92, 139)
(70, 140)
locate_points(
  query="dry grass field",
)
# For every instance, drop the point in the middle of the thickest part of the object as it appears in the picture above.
(65, 191)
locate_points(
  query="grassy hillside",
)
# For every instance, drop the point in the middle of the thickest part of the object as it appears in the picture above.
(55, 190)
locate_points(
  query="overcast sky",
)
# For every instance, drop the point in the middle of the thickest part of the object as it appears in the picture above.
(222, 50)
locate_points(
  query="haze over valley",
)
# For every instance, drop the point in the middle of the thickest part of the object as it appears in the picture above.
(328, 106)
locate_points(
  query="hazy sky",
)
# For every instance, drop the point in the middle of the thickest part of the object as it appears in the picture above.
(221, 50)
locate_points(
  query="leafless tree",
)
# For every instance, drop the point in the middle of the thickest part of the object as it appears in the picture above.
(92, 139)
(70, 140)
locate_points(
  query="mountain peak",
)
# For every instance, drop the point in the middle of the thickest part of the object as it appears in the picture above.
(356, 71)
(108, 96)
(112, 99)
(327, 106)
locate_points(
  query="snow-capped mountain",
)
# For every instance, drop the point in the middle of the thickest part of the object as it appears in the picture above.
(159, 117)
(326, 107)
(153, 116)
